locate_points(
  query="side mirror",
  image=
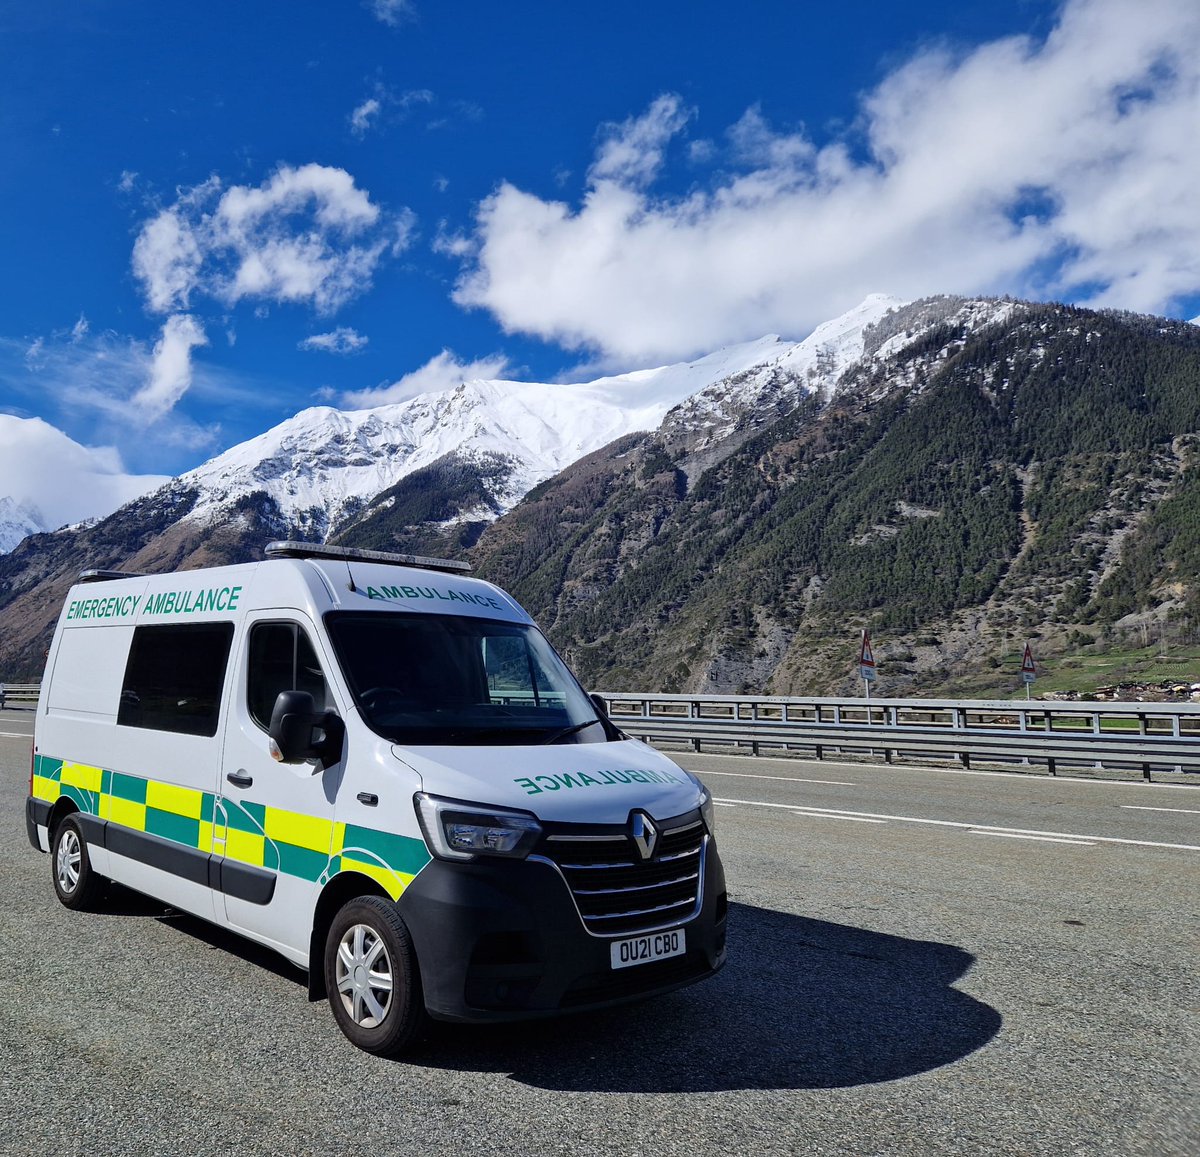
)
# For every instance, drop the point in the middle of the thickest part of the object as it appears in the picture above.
(299, 732)
(599, 702)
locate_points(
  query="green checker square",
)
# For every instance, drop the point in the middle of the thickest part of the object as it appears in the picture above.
(208, 805)
(246, 817)
(106, 782)
(302, 862)
(400, 853)
(48, 768)
(180, 829)
(130, 787)
(84, 800)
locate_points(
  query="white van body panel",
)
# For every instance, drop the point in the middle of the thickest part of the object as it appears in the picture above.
(602, 781)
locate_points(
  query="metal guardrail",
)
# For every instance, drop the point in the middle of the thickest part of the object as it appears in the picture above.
(19, 693)
(1141, 736)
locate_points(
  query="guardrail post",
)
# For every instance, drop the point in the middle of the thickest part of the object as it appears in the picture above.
(1144, 730)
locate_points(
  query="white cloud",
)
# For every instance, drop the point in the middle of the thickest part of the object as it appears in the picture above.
(361, 117)
(41, 468)
(170, 367)
(631, 153)
(308, 234)
(79, 329)
(343, 340)
(442, 372)
(392, 12)
(1064, 167)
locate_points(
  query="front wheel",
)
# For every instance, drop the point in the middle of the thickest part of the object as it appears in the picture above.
(75, 883)
(371, 976)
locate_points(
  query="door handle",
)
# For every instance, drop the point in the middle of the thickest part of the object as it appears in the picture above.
(239, 778)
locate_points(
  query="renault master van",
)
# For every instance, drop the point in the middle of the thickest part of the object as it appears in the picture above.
(378, 767)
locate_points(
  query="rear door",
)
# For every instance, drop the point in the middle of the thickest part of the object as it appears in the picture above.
(275, 820)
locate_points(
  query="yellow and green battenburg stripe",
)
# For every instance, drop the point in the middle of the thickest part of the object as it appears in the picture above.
(291, 843)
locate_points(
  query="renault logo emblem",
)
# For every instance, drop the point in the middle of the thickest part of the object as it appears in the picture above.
(644, 834)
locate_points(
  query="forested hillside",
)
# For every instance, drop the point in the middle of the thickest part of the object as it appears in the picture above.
(1034, 478)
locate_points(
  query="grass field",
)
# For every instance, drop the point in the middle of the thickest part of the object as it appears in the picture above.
(1084, 671)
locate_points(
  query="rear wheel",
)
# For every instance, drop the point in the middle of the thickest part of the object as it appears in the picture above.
(75, 883)
(371, 976)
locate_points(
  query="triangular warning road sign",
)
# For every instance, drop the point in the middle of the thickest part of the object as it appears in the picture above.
(866, 658)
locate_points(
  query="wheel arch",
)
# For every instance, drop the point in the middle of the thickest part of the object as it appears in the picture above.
(343, 888)
(63, 807)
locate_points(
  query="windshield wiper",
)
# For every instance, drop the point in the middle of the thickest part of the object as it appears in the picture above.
(566, 731)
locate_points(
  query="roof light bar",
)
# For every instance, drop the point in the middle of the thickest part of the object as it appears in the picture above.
(350, 554)
(103, 576)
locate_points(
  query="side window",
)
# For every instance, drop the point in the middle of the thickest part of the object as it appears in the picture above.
(174, 676)
(282, 658)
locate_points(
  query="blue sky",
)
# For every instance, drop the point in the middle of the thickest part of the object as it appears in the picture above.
(214, 216)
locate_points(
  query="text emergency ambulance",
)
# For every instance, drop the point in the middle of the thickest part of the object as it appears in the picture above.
(378, 767)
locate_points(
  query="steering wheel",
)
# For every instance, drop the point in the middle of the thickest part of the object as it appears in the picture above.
(378, 700)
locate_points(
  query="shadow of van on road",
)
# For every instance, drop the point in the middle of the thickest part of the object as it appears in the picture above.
(801, 1004)
(121, 901)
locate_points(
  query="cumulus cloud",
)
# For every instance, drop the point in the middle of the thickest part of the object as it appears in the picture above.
(308, 234)
(64, 482)
(1060, 167)
(343, 340)
(170, 367)
(442, 372)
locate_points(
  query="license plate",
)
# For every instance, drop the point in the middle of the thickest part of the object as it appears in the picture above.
(644, 949)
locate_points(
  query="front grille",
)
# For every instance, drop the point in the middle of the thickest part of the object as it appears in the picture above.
(616, 891)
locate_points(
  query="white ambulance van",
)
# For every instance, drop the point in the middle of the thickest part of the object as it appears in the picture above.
(378, 767)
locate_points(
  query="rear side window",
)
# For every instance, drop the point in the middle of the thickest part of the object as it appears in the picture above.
(174, 677)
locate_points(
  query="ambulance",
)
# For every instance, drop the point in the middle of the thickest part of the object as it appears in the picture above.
(377, 766)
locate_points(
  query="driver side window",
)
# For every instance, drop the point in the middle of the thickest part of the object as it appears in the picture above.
(282, 658)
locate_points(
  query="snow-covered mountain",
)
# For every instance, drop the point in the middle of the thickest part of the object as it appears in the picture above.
(320, 471)
(17, 521)
(322, 467)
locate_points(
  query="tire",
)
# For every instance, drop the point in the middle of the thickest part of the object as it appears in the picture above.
(372, 978)
(75, 883)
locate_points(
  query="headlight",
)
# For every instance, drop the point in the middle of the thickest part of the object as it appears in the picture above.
(457, 831)
(707, 810)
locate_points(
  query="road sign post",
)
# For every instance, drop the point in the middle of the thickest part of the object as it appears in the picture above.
(1028, 669)
(866, 663)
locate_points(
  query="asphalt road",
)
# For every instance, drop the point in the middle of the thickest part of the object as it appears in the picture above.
(922, 962)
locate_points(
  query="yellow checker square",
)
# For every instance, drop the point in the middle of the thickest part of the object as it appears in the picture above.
(210, 834)
(299, 830)
(169, 797)
(244, 846)
(392, 882)
(47, 789)
(82, 776)
(125, 812)
(339, 839)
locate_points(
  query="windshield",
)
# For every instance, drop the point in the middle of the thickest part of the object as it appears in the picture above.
(449, 679)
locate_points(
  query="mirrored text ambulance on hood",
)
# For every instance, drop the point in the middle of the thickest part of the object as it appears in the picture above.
(378, 767)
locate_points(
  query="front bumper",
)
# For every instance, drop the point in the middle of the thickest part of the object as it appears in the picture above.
(503, 941)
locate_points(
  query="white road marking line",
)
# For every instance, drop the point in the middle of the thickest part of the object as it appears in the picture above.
(1043, 839)
(1142, 808)
(16, 734)
(829, 816)
(1030, 775)
(724, 804)
(977, 827)
(781, 778)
